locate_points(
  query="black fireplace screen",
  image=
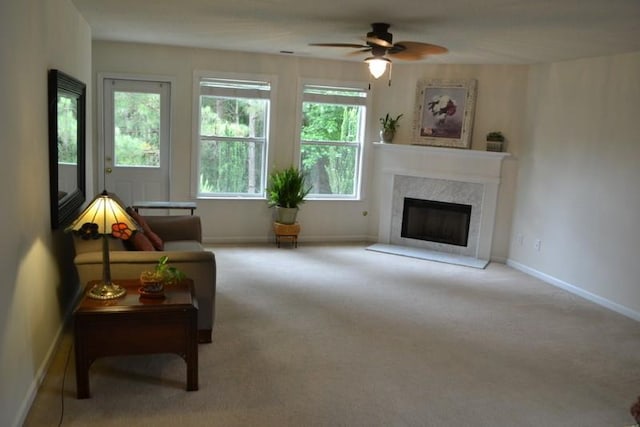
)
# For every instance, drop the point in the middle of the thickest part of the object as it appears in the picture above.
(434, 221)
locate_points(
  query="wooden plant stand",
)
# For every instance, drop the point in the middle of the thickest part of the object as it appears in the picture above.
(286, 231)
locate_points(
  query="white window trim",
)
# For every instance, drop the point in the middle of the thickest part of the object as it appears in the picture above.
(195, 128)
(362, 169)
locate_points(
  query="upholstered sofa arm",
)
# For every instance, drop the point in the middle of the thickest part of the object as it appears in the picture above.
(176, 227)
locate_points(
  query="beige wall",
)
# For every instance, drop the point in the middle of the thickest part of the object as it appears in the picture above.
(35, 35)
(500, 106)
(579, 175)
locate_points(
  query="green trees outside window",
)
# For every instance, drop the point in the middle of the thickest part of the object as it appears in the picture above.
(137, 129)
(233, 130)
(331, 140)
(67, 130)
(232, 145)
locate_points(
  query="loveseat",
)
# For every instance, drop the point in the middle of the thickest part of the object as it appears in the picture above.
(182, 240)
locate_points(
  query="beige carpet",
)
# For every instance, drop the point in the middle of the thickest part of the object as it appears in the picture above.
(328, 335)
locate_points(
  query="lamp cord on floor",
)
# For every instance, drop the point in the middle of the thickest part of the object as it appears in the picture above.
(64, 375)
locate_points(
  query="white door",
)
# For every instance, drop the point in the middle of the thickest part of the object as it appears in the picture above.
(136, 139)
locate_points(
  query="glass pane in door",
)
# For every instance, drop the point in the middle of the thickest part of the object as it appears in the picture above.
(137, 129)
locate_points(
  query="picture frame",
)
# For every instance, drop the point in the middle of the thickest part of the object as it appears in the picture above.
(444, 113)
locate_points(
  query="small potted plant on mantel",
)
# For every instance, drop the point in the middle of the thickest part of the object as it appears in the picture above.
(389, 126)
(495, 141)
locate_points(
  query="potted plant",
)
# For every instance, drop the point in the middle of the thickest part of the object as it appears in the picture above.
(389, 126)
(286, 191)
(495, 141)
(153, 281)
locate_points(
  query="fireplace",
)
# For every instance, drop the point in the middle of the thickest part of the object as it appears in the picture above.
(436, 221)
(441, 193)
(464, 177)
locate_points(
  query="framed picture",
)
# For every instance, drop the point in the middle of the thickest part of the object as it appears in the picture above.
(444, 113)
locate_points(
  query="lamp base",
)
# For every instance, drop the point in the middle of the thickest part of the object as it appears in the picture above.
(106, 290)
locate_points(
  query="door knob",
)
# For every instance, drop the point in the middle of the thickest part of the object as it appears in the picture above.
(108, 170)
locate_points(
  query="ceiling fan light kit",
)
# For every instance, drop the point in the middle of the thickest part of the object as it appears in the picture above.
(377, 65)
(379, 42)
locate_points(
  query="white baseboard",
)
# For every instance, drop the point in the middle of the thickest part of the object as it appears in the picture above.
(32, 392)
(618, 308)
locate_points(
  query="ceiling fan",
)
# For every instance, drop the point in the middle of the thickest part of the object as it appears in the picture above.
(379, 42)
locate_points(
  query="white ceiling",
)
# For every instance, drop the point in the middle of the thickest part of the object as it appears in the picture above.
(474, 31)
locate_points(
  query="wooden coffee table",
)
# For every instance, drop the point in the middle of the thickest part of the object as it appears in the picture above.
(135, 325)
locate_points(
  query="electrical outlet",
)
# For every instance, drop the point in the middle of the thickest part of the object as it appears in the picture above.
(537, 245)
(520, 239)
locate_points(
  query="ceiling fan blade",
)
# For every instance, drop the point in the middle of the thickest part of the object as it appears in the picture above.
(379, 42)
(407, 56)
(414, 51)
(351, 45)
(359, 51)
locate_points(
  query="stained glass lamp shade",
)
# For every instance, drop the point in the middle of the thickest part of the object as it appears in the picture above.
(104, 217)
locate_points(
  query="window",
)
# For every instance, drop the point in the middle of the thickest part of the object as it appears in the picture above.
(233, 120)
(331, 138)
(136, 129)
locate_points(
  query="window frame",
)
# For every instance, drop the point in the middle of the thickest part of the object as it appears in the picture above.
(198, 76)
(364, 132)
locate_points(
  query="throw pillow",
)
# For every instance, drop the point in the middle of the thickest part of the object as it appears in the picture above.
(140, 242)
(156, 240)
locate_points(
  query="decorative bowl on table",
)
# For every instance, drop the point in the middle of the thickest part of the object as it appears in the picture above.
(151, 285)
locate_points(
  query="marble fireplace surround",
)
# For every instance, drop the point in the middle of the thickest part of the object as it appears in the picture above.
(443, 174)
(441, 190)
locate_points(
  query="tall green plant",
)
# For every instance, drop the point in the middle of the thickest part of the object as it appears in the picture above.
(287, 188)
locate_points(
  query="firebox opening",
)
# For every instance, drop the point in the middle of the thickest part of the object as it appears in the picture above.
(435, 221)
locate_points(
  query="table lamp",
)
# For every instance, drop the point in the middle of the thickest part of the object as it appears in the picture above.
(103, 217)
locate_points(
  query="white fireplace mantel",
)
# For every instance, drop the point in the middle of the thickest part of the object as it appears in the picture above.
(440, 162)
(437, 163)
